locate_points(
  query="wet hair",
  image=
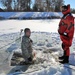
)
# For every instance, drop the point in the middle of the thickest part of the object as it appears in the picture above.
(65, 7)
(26, 30)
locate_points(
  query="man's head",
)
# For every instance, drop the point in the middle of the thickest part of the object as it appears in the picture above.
(27, 32)
(65, 9)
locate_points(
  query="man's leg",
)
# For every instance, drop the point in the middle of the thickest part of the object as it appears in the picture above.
(66, 56)
(30, 51)
(67, 51)
(25, 56)
(64, 52)
(67, 42)
(27, 59)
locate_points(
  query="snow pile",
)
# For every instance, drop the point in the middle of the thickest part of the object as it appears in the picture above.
(21, 15)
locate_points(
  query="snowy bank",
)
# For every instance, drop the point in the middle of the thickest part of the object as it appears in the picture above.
(22, 15)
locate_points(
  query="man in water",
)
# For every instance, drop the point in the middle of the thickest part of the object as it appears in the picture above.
(26, 46)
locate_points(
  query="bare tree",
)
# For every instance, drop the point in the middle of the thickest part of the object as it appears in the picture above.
(48, 2)
(41, 5)
(17, 5)
(48, 5)
(58, 4)
(45, 5)
(7, 4)
(24, 5)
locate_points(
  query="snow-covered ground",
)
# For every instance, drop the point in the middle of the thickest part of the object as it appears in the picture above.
(45, 37)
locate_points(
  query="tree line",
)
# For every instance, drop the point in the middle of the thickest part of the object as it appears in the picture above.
(48, 5)
(33, 5)
(29, 5)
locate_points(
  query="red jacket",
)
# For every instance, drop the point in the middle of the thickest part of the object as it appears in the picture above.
(66, 24)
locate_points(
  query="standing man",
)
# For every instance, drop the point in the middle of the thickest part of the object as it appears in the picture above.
(26, 46)
(66, 31)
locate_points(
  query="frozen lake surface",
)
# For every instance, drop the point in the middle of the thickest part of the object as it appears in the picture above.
(44, 36)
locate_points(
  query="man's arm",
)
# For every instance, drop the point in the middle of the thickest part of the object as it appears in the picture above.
(70, 24)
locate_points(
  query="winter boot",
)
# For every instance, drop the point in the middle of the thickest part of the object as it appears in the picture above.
(65, 60)
(61, 58)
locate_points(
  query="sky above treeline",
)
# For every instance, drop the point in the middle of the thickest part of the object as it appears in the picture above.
(71, 2)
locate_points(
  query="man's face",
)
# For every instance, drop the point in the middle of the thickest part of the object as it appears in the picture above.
(28, 33)
(62, 9)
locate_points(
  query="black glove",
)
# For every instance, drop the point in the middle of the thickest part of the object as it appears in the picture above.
(31, 41)
(29, 59)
